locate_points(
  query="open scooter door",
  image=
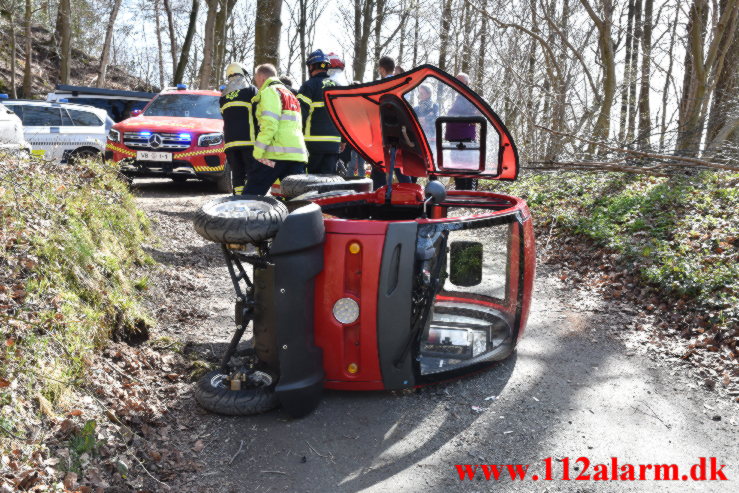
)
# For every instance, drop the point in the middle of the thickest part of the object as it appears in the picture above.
(462, 135)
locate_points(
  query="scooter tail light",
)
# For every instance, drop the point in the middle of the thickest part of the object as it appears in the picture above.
(346, 311)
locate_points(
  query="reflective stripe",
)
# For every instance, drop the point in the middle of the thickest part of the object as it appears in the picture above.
(270, 114)
(237, 143)
(238, 190)
(318, 105)
(235, 103)
(285, 150)
(325, 138)
(284, 116)
(305, 98)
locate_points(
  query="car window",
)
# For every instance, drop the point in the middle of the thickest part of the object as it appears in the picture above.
(66, 120)
(41, 116)
(84, 118)
(437, 105)
(192, 105)
(16, 108)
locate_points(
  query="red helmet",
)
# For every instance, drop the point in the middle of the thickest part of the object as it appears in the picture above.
(335, 61)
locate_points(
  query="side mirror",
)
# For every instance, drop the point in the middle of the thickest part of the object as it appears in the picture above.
(466, 263)
(136, 113)
(435, 191)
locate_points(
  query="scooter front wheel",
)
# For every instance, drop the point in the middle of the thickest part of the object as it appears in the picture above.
(257, 394)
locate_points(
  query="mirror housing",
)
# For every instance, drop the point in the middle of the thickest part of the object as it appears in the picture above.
(435, 191)
(465, 266)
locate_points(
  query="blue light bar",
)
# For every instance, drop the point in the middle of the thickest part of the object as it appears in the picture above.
(4, 96)
(184, 136)
(181, 86)
(64, 100)
(145, 134)
(221, 87)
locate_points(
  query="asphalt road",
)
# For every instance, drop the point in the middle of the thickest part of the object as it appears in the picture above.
(578, 386)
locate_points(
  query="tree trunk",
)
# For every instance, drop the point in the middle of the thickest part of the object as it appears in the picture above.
(209, 36)
(65, 37)
(645, 119)
(363, 11)
(13, 52)
(172, 36)
(105, 56)
(602, 127)
(379, 21)
(633, 70)
(480, 68)
(446, 19)
(267, 32)
(28, 71)
(415, 34)
(185, 53)
(465, 52)
(725, 103)
(301, 38)
(160, 50)
(627, 74)
(668, 80)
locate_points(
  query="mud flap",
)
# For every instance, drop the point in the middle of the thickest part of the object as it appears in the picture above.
(297, 253)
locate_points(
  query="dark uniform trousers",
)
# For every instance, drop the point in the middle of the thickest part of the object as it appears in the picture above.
(322, 162)
(242, 164)
(262, 176)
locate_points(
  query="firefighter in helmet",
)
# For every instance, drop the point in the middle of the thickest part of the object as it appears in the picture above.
(321, 136)
(239, 124)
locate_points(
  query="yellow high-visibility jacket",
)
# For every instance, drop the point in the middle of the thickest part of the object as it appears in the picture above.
(280, 134)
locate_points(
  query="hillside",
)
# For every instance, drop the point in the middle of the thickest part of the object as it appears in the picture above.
(45, 63)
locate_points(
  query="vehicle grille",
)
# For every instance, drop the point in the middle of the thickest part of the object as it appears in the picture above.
(170, 141)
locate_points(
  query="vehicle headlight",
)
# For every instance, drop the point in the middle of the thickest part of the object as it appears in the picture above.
(346, 311)
(207, 140)
(114, 135)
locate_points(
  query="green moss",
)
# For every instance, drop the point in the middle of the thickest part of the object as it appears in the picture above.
(74, 240)
(679, 233)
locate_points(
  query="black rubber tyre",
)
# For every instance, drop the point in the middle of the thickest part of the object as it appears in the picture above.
(240, 219)
(84, 154)
(216, 396)
(224, 183)
(294, 185)
(314, 195)
(360, 185)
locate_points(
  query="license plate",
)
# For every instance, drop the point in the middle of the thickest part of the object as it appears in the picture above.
(154, 156)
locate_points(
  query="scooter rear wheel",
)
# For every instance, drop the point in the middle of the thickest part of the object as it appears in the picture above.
(257, 395)
(240, 219)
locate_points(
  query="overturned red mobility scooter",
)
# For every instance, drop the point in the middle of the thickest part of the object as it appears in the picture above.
(396, 288)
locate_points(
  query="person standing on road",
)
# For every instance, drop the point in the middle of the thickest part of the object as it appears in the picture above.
(279, 146)
(321, 136)
(463, 132)
(239, 125)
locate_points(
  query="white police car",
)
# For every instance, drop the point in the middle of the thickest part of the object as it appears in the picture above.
(11, 133)
(62, 131)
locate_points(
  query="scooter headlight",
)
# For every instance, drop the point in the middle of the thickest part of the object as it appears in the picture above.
(346, 311)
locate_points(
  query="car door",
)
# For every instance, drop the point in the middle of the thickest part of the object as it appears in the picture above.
(41, 126)
(81, 128)
(436, 124)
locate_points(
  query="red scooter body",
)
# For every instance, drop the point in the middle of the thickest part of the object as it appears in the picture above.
(402, 286)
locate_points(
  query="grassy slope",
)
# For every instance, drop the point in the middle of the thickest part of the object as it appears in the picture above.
(681, 235)
(71, 262)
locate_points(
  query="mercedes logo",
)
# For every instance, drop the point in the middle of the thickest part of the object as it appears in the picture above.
(155, 141)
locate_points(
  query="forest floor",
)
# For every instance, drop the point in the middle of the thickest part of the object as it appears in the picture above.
(592, 377)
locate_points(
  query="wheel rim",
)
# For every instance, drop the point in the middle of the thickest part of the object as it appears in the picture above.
(255, 379)
(238, 208)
